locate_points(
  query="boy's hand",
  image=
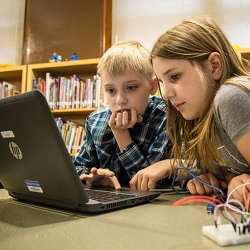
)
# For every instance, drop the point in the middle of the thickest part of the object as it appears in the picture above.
(147, 178)
(102, 178)
(124, 119)
(235, 182)
(196, 187)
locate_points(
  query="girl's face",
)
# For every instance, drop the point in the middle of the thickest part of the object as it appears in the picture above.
(184, 84)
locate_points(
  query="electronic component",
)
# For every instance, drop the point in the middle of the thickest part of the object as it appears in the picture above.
(224, 235)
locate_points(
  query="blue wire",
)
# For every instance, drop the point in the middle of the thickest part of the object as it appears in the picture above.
(200, 180)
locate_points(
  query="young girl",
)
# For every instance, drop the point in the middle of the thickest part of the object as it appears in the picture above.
(208, 93)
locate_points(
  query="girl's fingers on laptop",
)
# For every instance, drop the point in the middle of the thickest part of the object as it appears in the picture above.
(136, 181)
(139, 180)
(133, 182)
(151, 184)
(144, 183)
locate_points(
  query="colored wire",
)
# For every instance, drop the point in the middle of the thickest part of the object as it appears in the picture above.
(236, 188)
(219, 191)
(230, 217)
(233, 205)
(208, 184)
(196, 198)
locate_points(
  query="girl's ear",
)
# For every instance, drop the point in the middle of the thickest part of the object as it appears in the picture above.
(154, 86)
(215, 65)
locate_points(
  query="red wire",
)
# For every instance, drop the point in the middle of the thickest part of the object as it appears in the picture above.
(194, 201)
(197, 198)
(194, 197)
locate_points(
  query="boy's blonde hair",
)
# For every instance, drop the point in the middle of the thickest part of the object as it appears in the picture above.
(126, 56)
(194, 40)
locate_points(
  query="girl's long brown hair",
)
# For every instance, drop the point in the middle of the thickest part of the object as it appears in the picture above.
(194, 40)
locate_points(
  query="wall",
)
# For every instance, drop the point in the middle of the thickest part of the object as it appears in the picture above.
(142, 20)
(145, 20)
(11, 30)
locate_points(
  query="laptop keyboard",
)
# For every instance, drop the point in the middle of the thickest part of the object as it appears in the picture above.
(104, 196)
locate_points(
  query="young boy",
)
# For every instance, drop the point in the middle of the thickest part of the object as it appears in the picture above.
(130, 133)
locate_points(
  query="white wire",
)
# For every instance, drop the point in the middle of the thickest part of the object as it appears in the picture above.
(241, 185)
(228, 215)
(237, 202)
(235, 209)
(227, 205)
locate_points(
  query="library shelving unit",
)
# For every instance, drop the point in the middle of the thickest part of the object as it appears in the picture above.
(16, 75)
(83, 68)
(245, 54)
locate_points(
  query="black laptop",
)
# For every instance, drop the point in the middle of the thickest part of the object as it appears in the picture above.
(35, 165)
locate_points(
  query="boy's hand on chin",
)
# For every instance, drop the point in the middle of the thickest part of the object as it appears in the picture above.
(101, 178)
(124, 119)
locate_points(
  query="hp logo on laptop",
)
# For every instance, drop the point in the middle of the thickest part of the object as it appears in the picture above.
(15, 150)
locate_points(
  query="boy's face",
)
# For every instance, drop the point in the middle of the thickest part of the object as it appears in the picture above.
(126, 91)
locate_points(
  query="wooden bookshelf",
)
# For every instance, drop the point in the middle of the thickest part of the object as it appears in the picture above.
(70, 111)
(244, 54)
(83, 68)
(75, 115)
(16, 75)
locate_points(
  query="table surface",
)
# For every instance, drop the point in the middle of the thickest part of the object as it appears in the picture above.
(152, 226)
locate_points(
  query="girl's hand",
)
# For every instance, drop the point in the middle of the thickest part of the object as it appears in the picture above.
(196, 187)
(238, 193)
(101, 178)
(147, 178)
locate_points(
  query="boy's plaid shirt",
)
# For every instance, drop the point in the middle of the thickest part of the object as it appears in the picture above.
(150, 143)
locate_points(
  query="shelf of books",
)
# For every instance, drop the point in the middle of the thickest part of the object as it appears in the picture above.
(67, 86)
(12, 80)
(73, 91)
